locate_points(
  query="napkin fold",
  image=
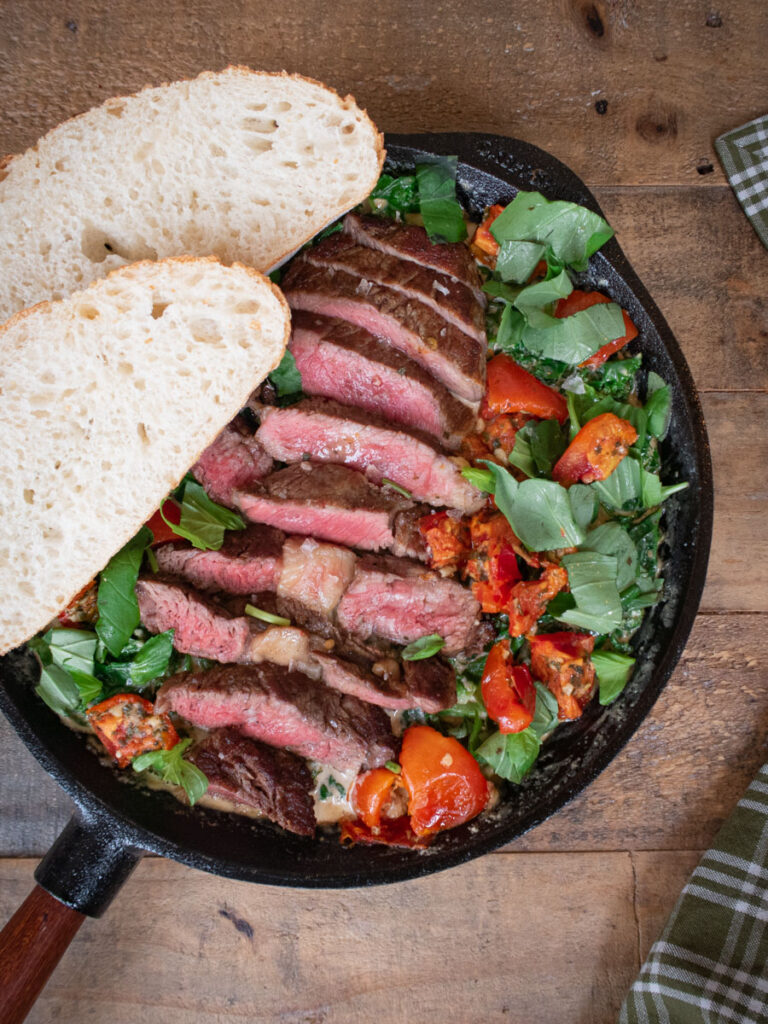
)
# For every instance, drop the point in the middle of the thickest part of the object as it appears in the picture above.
(710, 965)
(743, 153)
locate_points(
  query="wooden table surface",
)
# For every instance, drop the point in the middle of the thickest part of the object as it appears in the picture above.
(554, 927)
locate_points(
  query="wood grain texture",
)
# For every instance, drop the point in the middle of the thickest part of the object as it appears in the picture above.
(668, 78)
(464, 945)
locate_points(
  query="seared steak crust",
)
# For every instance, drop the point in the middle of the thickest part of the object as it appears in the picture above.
(248, 560)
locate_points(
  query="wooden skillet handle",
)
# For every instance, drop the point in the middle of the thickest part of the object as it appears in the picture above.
(31, 944)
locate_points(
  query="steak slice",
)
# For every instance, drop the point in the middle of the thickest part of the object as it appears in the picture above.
(329, 432)
(314, 573)
(411, 242)
(285, 709)
(402, 601)
(205, 629)
(247, 561)
(339, 360)
(276, 782)
(235, 459)
(451, 299)
(429, 684)
(453, 357)
(334, 503)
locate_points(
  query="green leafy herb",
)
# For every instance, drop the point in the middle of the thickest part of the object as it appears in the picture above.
(592, 581)
(393, 767)
(58, 689)
(613, 671)
(116, 598)
(572, 339)
(510, 755)
(286, 378)
(482, 479)
(510, 333)
(395, 195)
(516, 261)
(584, 504)
(613, 539)
(539, 511)
(259, 613)
(276, 275)
(616, 377)
(424, 647)
(67, 648)
(538, 446)
(89, 687)
(152, 660)
(386, 482)
(545, 718)
(442, 215)
(332, 229)
(171, 767)
(658, 406)
(203, 522)
(572, 233)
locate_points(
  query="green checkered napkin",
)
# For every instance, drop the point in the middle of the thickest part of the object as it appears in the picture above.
(744, 156)
(710, 965)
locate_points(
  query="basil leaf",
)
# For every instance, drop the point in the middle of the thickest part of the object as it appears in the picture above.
(658, 406)
(521, 456)
(538, 511)
(621, 490)
(516, 261)
(482, 479)
(152, 660)
(511, 327)
(572, 339)
(71, 648)
(571, 232)
(286, 378)
(395, 195)
(443, 217)
(116, 598)
(590, 405)
(584, 504)
(89, 688)
(424, 647)
(58, 689)
(545, 716)
(498, 290)
(592, 582)
(538, 446)
(170, 766)
(203, 522)
(613, 671)
(532, 299)
(613, 539)
(510, 755)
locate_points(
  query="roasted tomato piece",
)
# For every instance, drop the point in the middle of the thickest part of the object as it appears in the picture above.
(474, 449)
(575, 303)
(501, 432)
(444, 782)
(447, 538)
(510, 388)
(372, 795)
(396, 832)
(161, 531)
(561, 661)
(529, 599)
(82, 609)
(127, 726)
(492, 566)
(596, 450)
(484, 246)
(508, 691)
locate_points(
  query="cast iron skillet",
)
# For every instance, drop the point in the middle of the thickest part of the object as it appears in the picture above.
(116, 823)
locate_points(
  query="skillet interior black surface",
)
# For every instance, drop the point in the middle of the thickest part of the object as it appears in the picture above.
(117, 820)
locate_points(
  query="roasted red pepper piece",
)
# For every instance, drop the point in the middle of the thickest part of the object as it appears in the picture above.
(371, 794)
(575, 303)
(161, 531)
(82, 609)
(596, 450)
(484, 246)
(501, 432)
(447, 538)
(493, 564)
(127, 726)
(444, 782)
(561, 661)
(528, 600)
(396, 832)
(508, 691)
(510, 388)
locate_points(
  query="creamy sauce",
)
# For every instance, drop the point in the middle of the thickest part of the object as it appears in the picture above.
(331, 792)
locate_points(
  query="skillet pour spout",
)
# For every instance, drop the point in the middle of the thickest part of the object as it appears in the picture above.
(116, 822)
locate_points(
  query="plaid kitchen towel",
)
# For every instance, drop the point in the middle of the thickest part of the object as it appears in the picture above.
(710, 965)
(744, 156)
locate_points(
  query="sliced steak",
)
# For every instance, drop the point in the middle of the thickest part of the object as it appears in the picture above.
(411, 242)
(429, 684)
(328, 432)
(401, 601)
(276, 782)
(235, 459)
(334, 503)
(206, 629)
(451, 299)
(285, 709)
(339, 360)
(453, 357)
(248, 560)
(314, 573)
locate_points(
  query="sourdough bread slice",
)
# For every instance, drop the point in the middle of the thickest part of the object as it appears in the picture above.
(239, 164)
(106, 399)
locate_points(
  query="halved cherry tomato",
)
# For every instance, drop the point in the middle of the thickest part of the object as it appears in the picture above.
(529, 599)
(82, 609)
(596, 450)
(161, 531)
(578, 301)
(127, 726)
(508, 691)
(371, 793)
(444, 782)
(561, 661)
(510, 388)
(446, 537)
(484, 246)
